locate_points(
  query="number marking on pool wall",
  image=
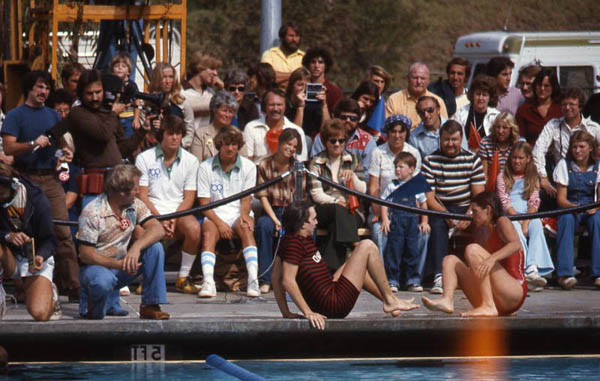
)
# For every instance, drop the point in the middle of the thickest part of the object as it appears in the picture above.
(148, 352)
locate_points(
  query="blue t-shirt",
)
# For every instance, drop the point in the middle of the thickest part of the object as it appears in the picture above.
(27, 123)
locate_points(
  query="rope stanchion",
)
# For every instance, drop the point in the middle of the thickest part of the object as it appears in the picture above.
(211, 205)
(454, 216)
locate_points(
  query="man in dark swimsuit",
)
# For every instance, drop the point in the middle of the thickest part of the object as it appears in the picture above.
(302, 273)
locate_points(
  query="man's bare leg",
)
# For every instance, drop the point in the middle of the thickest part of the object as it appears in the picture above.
(38, 297)
(364, 260)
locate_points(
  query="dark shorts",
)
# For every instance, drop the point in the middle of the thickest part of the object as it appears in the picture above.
(340, 299)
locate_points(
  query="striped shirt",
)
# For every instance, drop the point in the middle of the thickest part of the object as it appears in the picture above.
(451, 177)
(314, 278)
(486, 152)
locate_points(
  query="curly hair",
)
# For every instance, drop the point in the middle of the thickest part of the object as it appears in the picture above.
(509, 119)
(486, 84)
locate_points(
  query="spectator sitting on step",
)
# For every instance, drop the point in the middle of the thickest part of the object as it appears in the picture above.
(224, 175)
(167, 185)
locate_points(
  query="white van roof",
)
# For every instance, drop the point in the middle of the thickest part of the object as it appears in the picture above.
(512, 42)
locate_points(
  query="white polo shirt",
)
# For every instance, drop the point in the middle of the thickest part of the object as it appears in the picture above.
(215, 184)
(166, 186)
(255, 133)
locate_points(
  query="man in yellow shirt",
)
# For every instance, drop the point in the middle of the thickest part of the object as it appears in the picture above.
(405, 101)
(286, 57)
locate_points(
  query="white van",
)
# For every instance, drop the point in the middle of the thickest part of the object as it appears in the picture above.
(574, 55)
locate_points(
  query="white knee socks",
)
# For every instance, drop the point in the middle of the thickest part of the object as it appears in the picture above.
(208, 260)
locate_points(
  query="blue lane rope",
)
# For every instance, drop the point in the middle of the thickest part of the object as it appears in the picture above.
(231, 369)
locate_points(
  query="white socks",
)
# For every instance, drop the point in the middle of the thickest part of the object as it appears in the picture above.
(251, 258)
(208, 260)
(186, 264)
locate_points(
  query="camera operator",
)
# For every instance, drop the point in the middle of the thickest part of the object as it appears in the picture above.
(100, 141)
(25, 135)
(27, 243)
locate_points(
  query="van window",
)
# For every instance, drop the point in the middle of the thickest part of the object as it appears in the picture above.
(577, 76)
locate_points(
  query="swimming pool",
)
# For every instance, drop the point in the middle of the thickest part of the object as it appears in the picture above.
(529, 368)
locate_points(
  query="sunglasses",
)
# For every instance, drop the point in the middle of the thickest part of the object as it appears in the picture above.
(352, 118)
(233, 89)
(428, 110)
(333, 141)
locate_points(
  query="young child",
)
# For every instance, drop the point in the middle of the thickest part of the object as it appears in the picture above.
(518, 187)
(120, 66)
(402, 256)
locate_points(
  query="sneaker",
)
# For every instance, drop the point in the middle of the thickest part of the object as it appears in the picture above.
(534, 279)
(567, 282)
(394, 288)
(551, 225)
(57, 314)
(415, 287)
(124, 291)
(3, 308)
(186, 286)
(265, 288)
(534, 288)
(438, 287)
(596, 282)
(209, 290)
(253, 290)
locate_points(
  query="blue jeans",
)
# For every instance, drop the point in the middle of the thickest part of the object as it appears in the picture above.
(263, 233)
(567, 225)
(101, 282)
(438, 241)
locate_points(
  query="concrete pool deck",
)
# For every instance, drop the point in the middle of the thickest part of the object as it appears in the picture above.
(550, 322)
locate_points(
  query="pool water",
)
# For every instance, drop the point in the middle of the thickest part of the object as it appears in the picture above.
(535, 368)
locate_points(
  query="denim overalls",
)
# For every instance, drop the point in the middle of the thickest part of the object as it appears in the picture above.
(581, 190)
(402, 244)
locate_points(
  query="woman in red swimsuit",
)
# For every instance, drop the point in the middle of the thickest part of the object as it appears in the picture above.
(492, 277)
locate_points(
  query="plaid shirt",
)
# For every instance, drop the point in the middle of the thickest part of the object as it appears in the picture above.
(281, 193)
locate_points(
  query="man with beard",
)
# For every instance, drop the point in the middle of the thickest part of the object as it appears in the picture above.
(404, 101)
(455, 176)
(260, 134)
(287, 57)
(24, 136)
(452, 90)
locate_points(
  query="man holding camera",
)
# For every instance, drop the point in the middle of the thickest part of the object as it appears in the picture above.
(25, 137)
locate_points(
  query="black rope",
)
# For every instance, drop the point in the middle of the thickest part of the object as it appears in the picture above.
(211, 205)
(454, 216)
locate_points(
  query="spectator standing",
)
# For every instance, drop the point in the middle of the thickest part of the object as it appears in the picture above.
(261, 77)
(261, 135)
(203, 80)
(69, 76)
(367, 97)
(509, 98)
(404, 101)
(24, 136)
(452, 90)
(130, 118)
(318, 61)
(525, 80)
(477, 117)
(168, 185)
(287, 57)
(543, 106)
(164, 80)
(236, 82)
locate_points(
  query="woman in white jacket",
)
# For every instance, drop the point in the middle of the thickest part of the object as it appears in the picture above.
(480, 113)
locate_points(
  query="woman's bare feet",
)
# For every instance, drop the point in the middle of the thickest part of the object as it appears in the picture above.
(481, 311)
(443, 305)
(396, 305)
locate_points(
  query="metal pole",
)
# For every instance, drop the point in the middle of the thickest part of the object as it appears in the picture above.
(270, 22)
(299, 169)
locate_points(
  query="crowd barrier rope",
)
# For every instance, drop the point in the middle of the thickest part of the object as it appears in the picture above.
(377, 200)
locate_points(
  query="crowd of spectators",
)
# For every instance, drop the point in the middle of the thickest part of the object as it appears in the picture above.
(431, 146)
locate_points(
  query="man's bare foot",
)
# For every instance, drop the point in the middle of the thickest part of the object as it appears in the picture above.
(442, 305)
(397, 305)
(481, 311)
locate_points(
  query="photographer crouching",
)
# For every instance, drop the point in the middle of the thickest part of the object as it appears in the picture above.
(27, 243)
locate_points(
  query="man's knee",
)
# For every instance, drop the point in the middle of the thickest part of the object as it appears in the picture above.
(39, 313)
(449, 260)
(154, 252)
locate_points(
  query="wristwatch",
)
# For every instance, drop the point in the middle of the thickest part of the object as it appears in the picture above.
(6, 237)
